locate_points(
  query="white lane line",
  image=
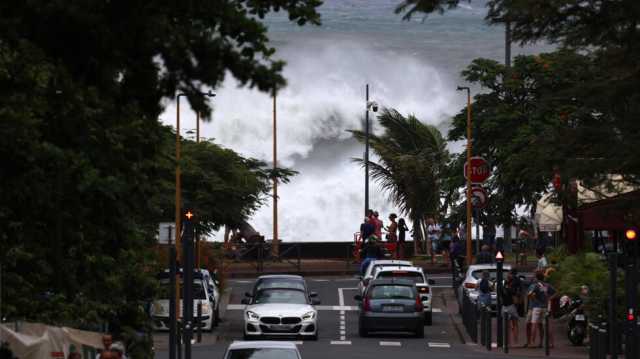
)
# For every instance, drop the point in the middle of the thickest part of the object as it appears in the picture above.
(341, 342)
(236, 307)
(343, 332)
(298, 342)
(342, 326)
(390, 344)
(343, 338)
(436, 310)
(341, 295)
(439, 345)
(320, 280)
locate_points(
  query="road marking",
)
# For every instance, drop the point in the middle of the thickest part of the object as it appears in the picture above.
(436, 310)
(236, 307)
(391, 344)
(439, 345)
(343, 332)
(341, 342)
(342, 327)
(320, 280)
(241, 281)
(298, 342)
(334, 308)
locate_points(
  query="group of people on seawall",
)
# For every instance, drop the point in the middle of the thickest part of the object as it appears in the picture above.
(371, 235)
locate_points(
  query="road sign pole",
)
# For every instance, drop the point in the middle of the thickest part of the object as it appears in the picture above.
(499, 264)
(613, 271)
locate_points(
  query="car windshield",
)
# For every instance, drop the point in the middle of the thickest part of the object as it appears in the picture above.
(198, 290)
(267, 283)
(414, 276)
(263, 353)
(392, 292)
(290, 296)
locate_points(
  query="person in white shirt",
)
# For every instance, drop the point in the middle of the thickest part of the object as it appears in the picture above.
(433, 233)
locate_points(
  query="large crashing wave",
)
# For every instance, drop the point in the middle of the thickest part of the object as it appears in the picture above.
(324, 98)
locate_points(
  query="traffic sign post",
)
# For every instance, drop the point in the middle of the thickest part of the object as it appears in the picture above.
(479, 171)
(499, 265)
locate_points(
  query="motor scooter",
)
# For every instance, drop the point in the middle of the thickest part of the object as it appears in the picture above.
(577, 325)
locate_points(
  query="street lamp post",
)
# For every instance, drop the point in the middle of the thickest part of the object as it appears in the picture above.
(468, 164)
(374, 107)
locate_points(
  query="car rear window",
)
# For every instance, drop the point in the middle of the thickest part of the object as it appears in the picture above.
(493, 273)
(262, 353)
(375, 267)
(414, 276)
(392, 292)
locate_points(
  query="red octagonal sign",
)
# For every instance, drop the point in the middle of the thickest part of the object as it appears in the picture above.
(479, 170)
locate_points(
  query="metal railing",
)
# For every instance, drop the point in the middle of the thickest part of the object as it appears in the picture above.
(260, 254)
(470, 317)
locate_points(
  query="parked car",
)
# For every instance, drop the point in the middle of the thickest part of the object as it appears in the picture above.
(469, 287)
(374, 265)
(391, 304)
(282, 306)
(262, 350)
(415, 275)
(203, 294)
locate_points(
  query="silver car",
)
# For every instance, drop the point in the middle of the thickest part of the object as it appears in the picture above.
(280, 306)
(471, 281)
(262, 350)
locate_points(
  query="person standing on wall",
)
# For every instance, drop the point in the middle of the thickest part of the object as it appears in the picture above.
(392, 234)
(402, 232)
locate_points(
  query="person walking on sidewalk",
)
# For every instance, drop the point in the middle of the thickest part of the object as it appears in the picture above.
(539, 293)
(402, 233)
(510, 297)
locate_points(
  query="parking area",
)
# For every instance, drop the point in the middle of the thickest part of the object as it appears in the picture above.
(338, 326)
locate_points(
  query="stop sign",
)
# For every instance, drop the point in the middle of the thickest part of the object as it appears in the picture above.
(479, 170)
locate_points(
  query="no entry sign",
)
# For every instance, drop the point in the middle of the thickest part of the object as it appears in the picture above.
(479, 197)
(480, 170)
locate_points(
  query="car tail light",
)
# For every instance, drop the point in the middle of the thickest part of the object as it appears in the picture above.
(366, 305)
(470, 285)
(419, 306)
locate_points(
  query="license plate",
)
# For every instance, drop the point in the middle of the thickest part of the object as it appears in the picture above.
(392, 308)
(580, 317)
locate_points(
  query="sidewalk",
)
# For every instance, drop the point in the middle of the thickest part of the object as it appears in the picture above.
(327, 267)
(562, 349)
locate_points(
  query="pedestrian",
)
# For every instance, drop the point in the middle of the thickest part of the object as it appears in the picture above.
(485, 256)
(484, 298)
(377, 224)
(433, 234)
(367, 229)
(402, 233)
(392, 234)
(107, 340)
(456, 251)
(542, 261)
(371, 251)
(510, 297)
(521, 251)
(118, 349)
(539, 294)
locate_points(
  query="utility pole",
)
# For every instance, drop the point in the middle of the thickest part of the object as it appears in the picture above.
(276, 244)
(178, 205)
(468, 165)
(366, 152)
(187, 274)
(198, 251)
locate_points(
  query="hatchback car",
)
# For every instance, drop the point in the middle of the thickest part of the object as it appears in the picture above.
(280, 306)
(419, 279)
(374, 265)
(469, 287)
(390, 305)
(262, 350)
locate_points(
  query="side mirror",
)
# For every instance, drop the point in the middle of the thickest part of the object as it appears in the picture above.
(248, 295)
(313, 295)
(357, 298)
(431, 281)
(315, 301)
(245, 301)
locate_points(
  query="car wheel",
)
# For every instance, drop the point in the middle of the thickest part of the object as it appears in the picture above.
(428, 318)
(420, 331)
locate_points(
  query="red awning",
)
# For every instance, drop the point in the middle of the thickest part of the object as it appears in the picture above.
(609, 214)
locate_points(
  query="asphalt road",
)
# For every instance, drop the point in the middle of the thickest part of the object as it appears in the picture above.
(338, 325)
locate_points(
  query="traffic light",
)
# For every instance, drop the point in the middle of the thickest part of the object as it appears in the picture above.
(189, 215)
(631, 234)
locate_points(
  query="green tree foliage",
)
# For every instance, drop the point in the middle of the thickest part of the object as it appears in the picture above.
(84, 157)
(412, 159)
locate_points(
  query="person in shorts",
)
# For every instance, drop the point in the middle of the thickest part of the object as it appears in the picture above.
(539, 293)
(510, 296)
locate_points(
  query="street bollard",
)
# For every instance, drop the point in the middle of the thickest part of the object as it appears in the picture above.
(488, 319)
(546, 334)
(199, 322)
(602, 343)
(505, 340)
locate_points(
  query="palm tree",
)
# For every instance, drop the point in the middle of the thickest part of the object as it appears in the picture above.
(412, 158)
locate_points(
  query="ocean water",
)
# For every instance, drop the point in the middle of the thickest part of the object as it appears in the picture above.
(412, 66)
